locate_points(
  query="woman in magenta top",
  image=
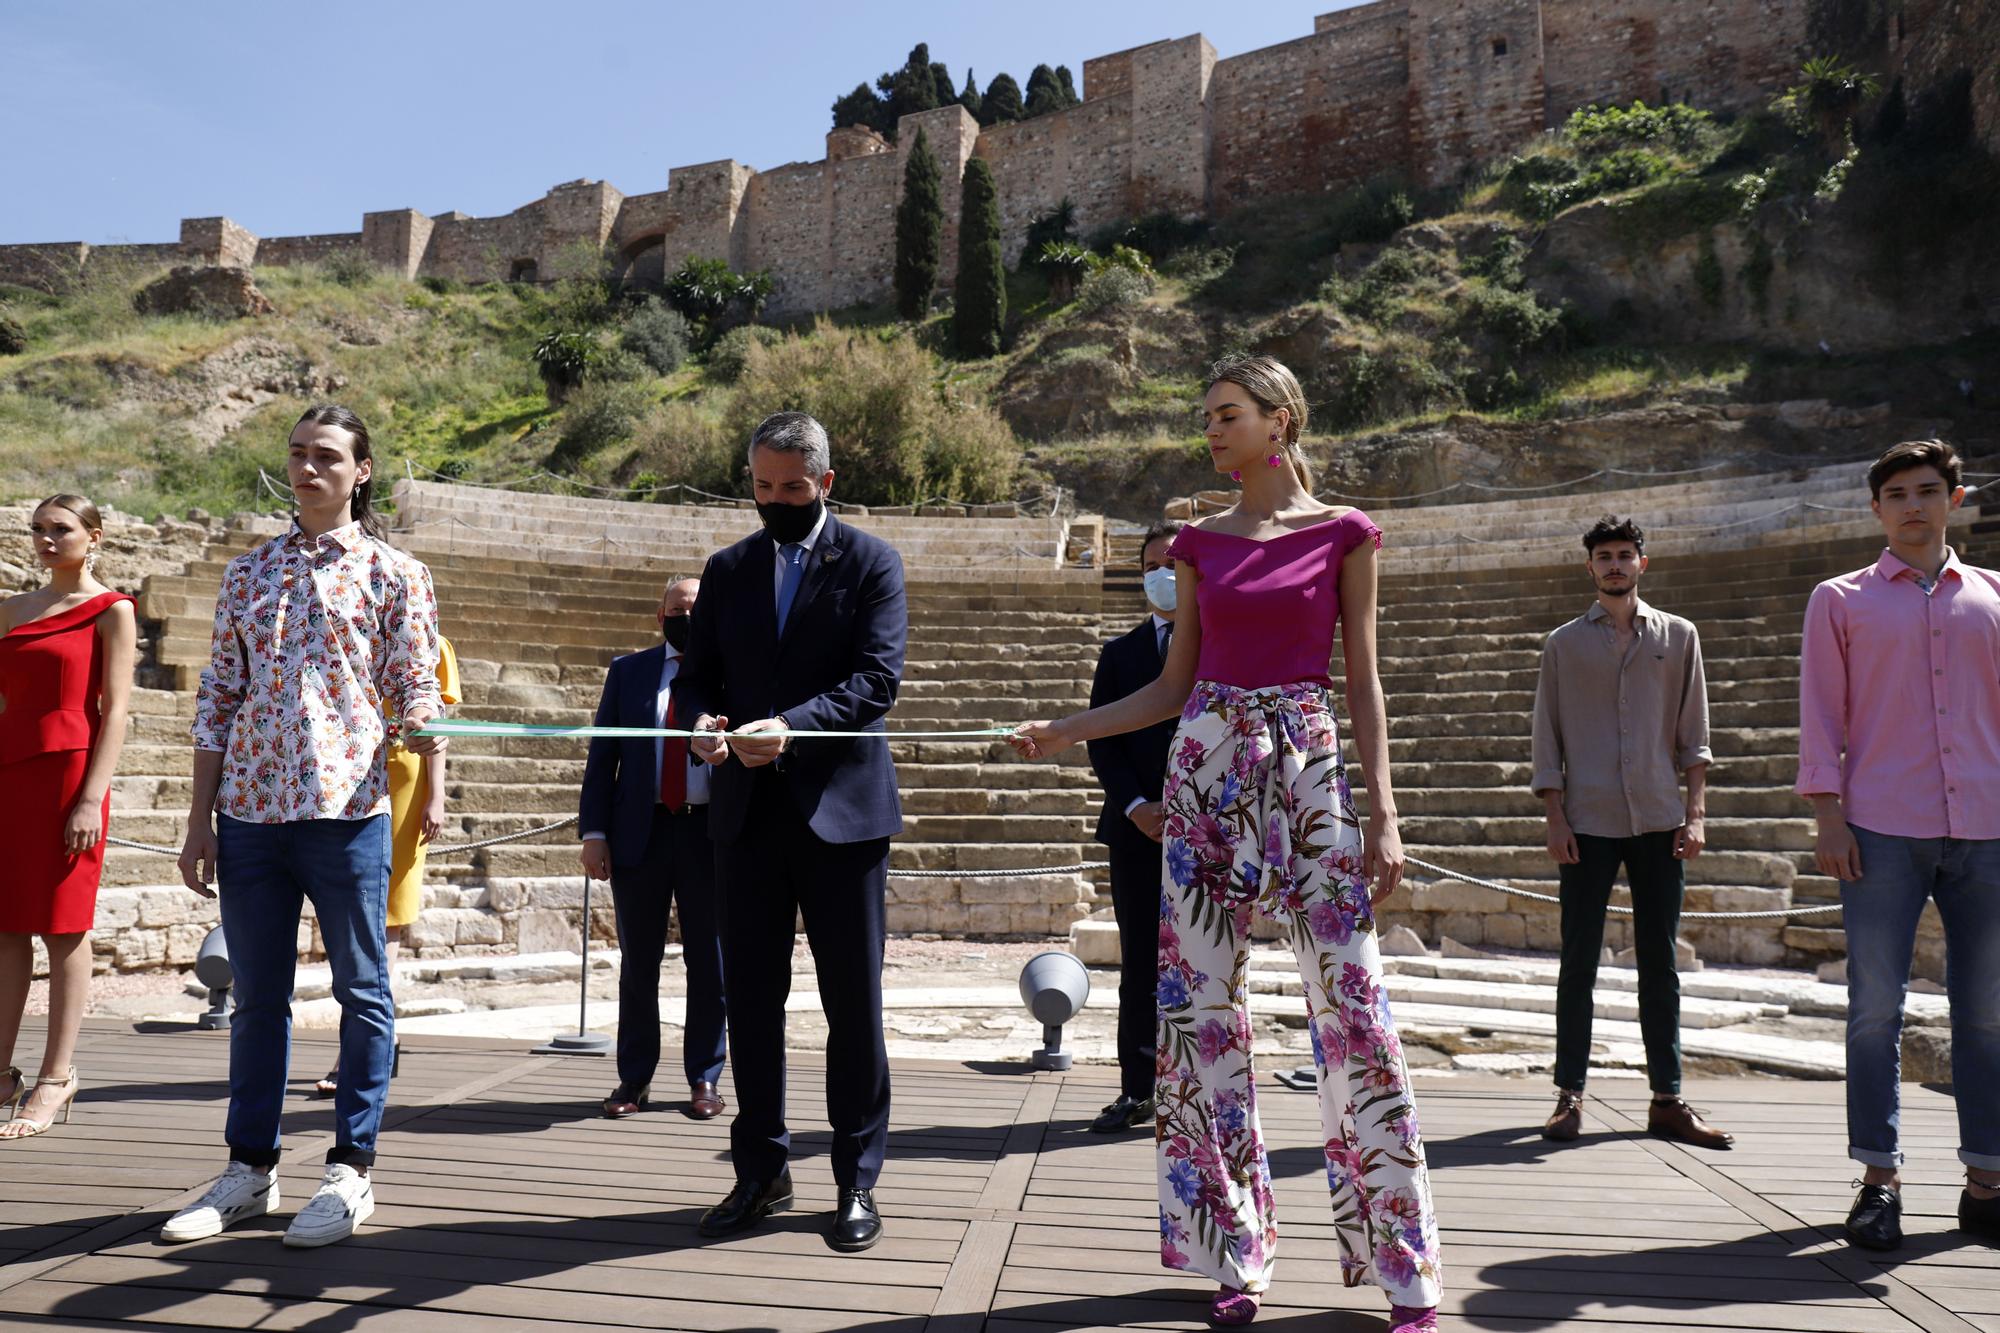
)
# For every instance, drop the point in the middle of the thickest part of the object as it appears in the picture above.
(1259, 821)
(66, 653)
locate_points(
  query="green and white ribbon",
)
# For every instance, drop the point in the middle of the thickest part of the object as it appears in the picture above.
(457, 726)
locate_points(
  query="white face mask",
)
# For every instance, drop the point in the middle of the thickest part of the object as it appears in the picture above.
(1161, 590)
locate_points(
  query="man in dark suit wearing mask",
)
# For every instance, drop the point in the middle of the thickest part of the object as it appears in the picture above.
(801, 628)
(1132, 769)
(644, 816)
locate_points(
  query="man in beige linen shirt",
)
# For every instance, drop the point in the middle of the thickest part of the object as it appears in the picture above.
(1621, 715)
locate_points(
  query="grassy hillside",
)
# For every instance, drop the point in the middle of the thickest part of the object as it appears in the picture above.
(1406, 313)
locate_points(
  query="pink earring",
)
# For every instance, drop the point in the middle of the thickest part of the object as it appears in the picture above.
(1236, 476)
(1274, 459)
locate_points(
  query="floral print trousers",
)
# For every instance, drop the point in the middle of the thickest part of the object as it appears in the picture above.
(1259, 820)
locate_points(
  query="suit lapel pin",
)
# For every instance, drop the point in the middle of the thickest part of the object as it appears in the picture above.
(826, 557)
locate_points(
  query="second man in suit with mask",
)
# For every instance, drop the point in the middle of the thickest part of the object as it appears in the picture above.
(1132, 769)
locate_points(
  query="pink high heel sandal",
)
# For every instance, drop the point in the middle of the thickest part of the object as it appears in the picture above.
(1232, 1307)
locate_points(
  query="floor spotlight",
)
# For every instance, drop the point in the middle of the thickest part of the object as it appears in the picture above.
(212, 969)
(1054, 986)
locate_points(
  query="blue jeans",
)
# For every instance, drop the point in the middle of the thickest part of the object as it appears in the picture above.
(1880, 911)
(265, 872)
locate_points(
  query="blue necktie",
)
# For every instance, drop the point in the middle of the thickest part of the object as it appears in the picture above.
(795, 573)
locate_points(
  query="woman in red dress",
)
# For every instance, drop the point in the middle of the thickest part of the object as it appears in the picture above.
(66, 652)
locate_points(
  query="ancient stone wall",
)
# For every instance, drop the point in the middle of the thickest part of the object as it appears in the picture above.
(54, 267)
(1425, 88)
(283, 251)
(1961, 40)
(1719, 54)
(1318, 113)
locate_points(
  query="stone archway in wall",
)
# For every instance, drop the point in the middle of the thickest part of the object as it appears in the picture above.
(642, 264)
(524, 270)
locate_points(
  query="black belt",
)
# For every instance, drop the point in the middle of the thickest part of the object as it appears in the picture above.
(684, 808)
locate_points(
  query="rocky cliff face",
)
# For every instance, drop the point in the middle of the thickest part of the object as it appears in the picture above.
(1768, 281)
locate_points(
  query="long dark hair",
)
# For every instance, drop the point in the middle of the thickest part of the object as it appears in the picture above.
(360, 507)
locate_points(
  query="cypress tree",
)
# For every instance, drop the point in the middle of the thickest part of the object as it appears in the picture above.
(1044, 93)
(919, 232)
(969, 99)
(980, 312)
(1002, 101)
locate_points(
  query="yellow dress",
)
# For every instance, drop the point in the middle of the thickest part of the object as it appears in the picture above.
(407, 796)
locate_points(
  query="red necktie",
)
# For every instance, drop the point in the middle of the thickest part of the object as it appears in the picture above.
(673, 765)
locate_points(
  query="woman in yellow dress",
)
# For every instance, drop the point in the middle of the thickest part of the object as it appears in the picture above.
(416, 815)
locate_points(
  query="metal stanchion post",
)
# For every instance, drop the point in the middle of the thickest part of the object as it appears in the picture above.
(583, 1041)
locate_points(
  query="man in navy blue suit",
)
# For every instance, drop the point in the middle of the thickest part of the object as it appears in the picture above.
(1132, 769)
(644, 816)
(801, 628)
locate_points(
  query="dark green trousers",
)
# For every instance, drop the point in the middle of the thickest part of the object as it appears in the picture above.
(1655, 876)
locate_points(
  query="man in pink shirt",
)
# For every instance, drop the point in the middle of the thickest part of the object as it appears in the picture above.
(1899, 752)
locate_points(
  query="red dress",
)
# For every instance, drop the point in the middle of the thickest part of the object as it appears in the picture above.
(50, 674)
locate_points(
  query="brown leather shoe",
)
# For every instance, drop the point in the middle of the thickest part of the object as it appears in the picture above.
(625, 1101)
(704, 1102)
(1680, 1122)
(1565, 1123)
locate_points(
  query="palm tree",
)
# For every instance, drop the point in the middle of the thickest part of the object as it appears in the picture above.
(1829, 93)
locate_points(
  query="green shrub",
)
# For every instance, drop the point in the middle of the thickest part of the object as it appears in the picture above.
(658, 335)
(731, 351)
(1603, 128)
(595, 415)
(1371, 212)
(1621, 169)
(1708, 272)
(680, 442)
(350, 268)
(13, 336)
(1112, 287)
(1064, 264)
(1051, 228)
(709, 291)
(1503, 263)
(899, 432)
(564, 360)
(1156, 235)
(1516, 319)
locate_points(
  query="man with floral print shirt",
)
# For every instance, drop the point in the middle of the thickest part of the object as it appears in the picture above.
(322, 637)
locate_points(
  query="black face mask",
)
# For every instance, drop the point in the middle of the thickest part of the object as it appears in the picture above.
(790, 523)
(675, 630)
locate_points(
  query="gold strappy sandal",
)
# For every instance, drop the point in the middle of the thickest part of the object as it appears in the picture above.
(23, 1126)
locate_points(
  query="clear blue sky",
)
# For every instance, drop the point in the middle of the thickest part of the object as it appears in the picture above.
(125, 117)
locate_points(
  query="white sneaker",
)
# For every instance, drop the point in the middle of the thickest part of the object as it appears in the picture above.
(239, 1193)
(344, 1201)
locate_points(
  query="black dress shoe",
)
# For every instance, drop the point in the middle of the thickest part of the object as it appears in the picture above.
(747, 1204)
(1128, 1112)
(856, 1224)
(1876, 1220)
(1979, 1217)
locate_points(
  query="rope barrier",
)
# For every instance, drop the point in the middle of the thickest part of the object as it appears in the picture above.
(458, 726)
(1464, 878)
(1040, 872)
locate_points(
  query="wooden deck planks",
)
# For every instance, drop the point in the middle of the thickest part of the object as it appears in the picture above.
(505, 1202)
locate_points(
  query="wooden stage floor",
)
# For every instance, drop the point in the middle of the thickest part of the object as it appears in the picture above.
(505, 1204)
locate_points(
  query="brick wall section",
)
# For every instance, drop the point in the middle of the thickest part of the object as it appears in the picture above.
(1722, 54)
(1170, 129)
(218, 241)
(283, 251)
(1318, 113)
(396, 239)
(51, 267)
(1475, 81)
(1082, 153)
